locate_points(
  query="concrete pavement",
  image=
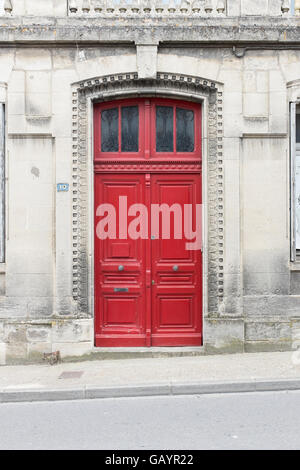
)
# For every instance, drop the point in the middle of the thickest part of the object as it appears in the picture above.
(150, 376)
(232, 421)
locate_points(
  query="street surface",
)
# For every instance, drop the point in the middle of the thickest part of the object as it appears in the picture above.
(269, 420)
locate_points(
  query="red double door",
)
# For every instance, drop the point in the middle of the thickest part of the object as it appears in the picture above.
(148, 290)
(148, 276)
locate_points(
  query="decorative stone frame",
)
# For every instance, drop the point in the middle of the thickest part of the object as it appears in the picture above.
(165, 85)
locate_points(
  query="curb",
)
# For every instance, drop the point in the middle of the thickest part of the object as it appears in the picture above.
(92, 392)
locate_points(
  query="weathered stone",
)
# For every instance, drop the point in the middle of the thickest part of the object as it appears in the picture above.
(72, 350)
(265, 331)
(267, 346)
(2, 332)
(40, 307)
(36, 351)
(252, 7)
(38, 94)
(15, 353)
(2, 284)
(38, 334)
(270, 306)
(33, 59)
(13, 307)
(72, 331)
(2, 353)
(146, 56)
(224, 335)
(51, 71)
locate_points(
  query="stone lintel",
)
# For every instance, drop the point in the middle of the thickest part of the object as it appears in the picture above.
(245, 30)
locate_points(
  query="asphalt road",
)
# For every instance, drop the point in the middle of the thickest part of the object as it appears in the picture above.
(269, 420)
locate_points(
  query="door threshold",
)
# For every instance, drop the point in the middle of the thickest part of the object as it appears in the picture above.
(144, 352)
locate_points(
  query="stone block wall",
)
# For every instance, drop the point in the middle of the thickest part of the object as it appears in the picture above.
(260, 304)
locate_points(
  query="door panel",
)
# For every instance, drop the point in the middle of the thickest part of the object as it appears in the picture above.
(119, 268)
(176, 288)
(147, 291)
(176, 271)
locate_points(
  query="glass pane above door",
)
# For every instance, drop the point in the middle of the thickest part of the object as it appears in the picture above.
(110, 130)
(147, 128)
(130, 129)
(164, 129)
(185, 130)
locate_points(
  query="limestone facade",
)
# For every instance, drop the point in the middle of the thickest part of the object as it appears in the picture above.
(241, 59)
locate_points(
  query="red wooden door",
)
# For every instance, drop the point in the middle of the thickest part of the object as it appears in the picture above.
(148, 285)
(119, 267)
(176, 270)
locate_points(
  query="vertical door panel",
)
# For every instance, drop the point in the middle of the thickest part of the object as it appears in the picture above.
(119, 267)
(176, 271)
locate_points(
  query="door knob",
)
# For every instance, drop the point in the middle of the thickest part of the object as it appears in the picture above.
(175, 267)
(121, 267)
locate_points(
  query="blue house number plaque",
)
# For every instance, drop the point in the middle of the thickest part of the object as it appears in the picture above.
(63, 187)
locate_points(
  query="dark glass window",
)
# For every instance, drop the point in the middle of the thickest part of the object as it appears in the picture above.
(110, 130)
(298, 128)
(185, 130)
(130, 129)
(164, 129)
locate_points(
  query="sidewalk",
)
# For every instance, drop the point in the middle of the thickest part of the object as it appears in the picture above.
(141, 377)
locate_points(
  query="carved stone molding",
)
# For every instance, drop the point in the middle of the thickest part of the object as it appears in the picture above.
(166, 85)
(145, 167)
(147, 8)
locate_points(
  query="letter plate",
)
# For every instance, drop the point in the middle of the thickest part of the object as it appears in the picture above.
(121, 289)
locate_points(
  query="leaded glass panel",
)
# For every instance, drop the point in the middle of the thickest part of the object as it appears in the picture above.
(185, 130)
(130, 129)
(110, 130)
(164, 129)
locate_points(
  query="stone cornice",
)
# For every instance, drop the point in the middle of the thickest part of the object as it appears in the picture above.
(227, 30)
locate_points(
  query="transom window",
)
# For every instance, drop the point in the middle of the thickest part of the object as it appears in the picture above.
(175, 129)
(126, 119)
(145, 128)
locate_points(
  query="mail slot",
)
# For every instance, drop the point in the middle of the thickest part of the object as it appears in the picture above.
(121, 289)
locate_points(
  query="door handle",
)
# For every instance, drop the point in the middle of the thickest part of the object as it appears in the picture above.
(121, 267)
(175, 268)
